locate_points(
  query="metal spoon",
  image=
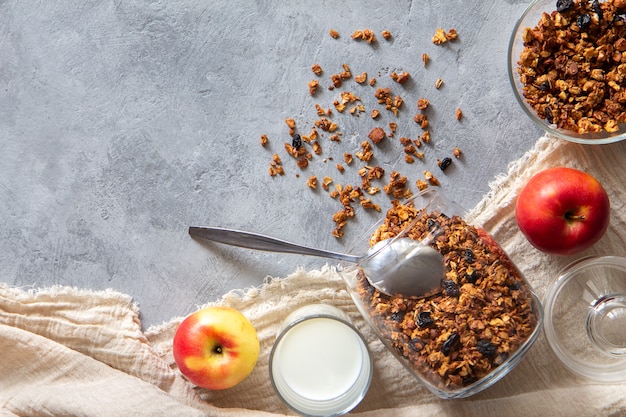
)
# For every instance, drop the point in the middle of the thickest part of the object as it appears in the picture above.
(402, 266)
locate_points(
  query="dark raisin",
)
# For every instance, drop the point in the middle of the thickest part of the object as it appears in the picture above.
(472, 277)
(469, 256)
(416, 344)
(597, 9)
(564, 5)
(445, 163)
(450, 287)
(453, 340)
(469, 380)
(398, 316)
(432, 225)
(515, 286)
(583, 21)
(549, 116)
(296, 141)
(486, 348)
(544, 86)
(424, 319)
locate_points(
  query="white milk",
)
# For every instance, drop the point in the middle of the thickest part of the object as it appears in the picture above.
(320, 364)
(320, 358)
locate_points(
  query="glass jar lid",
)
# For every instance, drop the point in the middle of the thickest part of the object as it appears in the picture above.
(585, 317)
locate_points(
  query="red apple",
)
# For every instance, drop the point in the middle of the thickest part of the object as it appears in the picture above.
(562, 211)
(216, 347)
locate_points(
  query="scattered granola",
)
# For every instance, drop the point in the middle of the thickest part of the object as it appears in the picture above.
(313, 85)
(400, 78)
(312, 182)
(302, 147)
(317, 69)
(481, 318)
(366, 34)
(441, 36)
(573, 65)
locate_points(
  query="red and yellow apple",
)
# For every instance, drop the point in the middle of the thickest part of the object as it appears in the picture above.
(216, 347)
(562, 211)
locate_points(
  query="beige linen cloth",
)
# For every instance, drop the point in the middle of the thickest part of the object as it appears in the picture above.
(71, 352)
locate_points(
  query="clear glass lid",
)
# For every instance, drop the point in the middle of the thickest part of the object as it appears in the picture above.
(585, 317)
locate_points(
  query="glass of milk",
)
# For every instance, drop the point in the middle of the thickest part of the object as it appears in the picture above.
(320, 364)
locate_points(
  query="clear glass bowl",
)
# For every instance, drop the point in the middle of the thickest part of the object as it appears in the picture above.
(466, 337)
(586, 317)
(529, 19)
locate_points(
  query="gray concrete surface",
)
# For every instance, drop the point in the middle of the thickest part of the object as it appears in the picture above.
(122, 123)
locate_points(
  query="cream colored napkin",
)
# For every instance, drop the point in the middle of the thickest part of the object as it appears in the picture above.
(73, 352)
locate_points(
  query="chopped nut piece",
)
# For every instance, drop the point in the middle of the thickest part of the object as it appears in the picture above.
(313, 85)
(431, 178)
(386, 34)
(375, 113)
(425, 137)
(400, 78)
(366, 34)
(422, 120)
(317, 69)
(457, 152)
(425, 59)
(361, 78)
(264, 140)
(326, 182)
(452, 35)
(372, 82)
(347, 158)
(396, 185)
(334, 34)
(438, 83)
(340, 168)
(439, 37)
(366, 153)
(458, 114)
(422, 104)
(291, 123)
(421, 185)
(312, 182)
(317, 148)
(377, 134)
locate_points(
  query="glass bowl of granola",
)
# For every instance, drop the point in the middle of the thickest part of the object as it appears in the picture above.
(476, 328)
(567, 63)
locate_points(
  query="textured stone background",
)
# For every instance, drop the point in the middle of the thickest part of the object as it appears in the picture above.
(122, 123)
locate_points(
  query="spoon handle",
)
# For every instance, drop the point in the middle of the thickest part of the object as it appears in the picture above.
(265, 243)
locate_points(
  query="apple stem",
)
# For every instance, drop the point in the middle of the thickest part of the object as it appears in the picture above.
(574, 216)
(218, 350)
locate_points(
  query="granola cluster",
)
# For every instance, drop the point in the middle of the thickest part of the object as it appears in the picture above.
(481, 316)
(573, 66)
(304, 145)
